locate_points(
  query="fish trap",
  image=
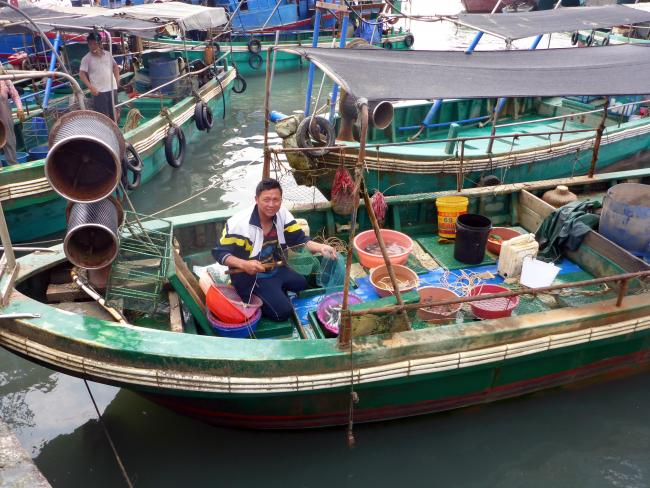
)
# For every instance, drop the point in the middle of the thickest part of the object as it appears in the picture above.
(302, 261)
(138, 274)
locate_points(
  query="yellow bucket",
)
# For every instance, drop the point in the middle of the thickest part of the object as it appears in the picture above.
(449, 208)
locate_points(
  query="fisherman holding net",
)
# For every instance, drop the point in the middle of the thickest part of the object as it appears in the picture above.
(253, 245)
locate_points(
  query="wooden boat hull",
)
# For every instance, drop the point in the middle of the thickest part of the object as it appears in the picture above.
(33, 210)
(307, 382)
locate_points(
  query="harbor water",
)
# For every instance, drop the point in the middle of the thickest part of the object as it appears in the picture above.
(594, 435)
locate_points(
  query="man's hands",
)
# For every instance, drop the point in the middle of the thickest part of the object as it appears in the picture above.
(94, 91)
(252, 267)
(20, 113)
(326, 250)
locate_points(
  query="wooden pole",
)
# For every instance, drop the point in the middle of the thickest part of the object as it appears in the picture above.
(599, 136)
(266, 169)
(345, 330)
(384, 252)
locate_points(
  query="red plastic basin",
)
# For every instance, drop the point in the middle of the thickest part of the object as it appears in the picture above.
(493, 308)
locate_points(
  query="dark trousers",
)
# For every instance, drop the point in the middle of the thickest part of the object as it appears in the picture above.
(103, 103)
(272, 291)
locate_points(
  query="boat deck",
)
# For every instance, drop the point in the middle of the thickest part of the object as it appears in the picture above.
(445, 270)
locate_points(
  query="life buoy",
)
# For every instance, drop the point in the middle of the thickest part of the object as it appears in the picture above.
(254, 46)
(409, 40)
(255, 61)
(173, 159)
(198, 115)
(239, 84)
(387, 45)
(575, 37)
(131, 163)
(307, 139)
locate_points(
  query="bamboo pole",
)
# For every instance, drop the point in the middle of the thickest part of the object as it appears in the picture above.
(384, 252)
(505, 294)
(345, 330)
(266, 169)
(599, 135)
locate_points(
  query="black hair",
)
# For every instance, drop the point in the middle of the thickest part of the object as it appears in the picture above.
(93, 36)
(267, 184)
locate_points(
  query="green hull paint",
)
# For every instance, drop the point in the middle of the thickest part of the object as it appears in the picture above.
(242, 58)
(305, 382)
(32, 217)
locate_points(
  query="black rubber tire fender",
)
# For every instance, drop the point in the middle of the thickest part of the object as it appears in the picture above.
(132, 163)
(217, 48)
(575, 37)
(208, 118)
(304, 139)
(239, 84)
(409, 40)
(605, 41)
(387, 45)
(198, 115)
(173, 160)
(255, 61)
(254, 46)
(590, 40)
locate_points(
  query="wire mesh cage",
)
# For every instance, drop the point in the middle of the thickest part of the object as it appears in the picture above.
(138, 274)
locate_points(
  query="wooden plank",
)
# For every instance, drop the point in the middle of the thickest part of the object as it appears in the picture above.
(536, 204)
(89, 309)
(65, 292)
(332, 6)
(528, 219)
(188, 289)
(175, 319)
(613, 252)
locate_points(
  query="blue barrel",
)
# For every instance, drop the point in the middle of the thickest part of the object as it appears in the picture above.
(625, 218)
(21, 157)
(38, 152)
(161, 71)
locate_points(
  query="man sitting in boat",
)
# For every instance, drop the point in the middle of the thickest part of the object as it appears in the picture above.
(8, 92)
(253, 244)
(101, 75)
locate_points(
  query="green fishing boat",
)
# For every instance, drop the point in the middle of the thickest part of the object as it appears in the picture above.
(33, 209)
(250, 58)
(507, 116)
(292, 375)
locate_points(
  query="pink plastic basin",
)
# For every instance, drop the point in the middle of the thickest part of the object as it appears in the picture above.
(366, 238)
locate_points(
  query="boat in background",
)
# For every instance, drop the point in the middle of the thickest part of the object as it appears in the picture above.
(157, 122)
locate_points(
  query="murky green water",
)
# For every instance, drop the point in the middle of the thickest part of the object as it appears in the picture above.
(594, 436)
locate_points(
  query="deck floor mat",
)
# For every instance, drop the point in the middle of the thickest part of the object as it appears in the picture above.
(443, 252)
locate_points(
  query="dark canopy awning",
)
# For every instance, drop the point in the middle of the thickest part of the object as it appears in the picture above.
(526, 24)
(415, 75)
(12, 21)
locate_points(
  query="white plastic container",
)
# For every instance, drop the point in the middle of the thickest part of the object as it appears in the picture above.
(537, 274)
(513, 253)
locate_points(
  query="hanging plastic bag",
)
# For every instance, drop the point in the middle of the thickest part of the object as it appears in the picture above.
(342, 192)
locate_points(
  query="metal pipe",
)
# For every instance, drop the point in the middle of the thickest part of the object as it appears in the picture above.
(312, 66)
(504, 294)
(48, 83)
(275, 9)
(335, 89)
(275, 55)
(23, 75)
(441, 124)
(472, 46)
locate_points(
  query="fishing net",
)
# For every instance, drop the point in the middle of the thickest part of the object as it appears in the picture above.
(331, 274)
(302, 261)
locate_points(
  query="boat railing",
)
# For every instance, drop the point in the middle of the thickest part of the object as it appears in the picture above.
(623, 281)
(183, 76)
(574, 114)
(23, 75)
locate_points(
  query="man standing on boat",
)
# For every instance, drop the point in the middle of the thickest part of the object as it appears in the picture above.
(101, 74)
(8, 91)
(253, 243)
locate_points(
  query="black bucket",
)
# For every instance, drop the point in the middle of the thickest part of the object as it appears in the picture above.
(472, 232)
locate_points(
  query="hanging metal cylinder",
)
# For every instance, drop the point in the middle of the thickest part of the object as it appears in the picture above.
(91, 241)
(84, 163)
(380, 115)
